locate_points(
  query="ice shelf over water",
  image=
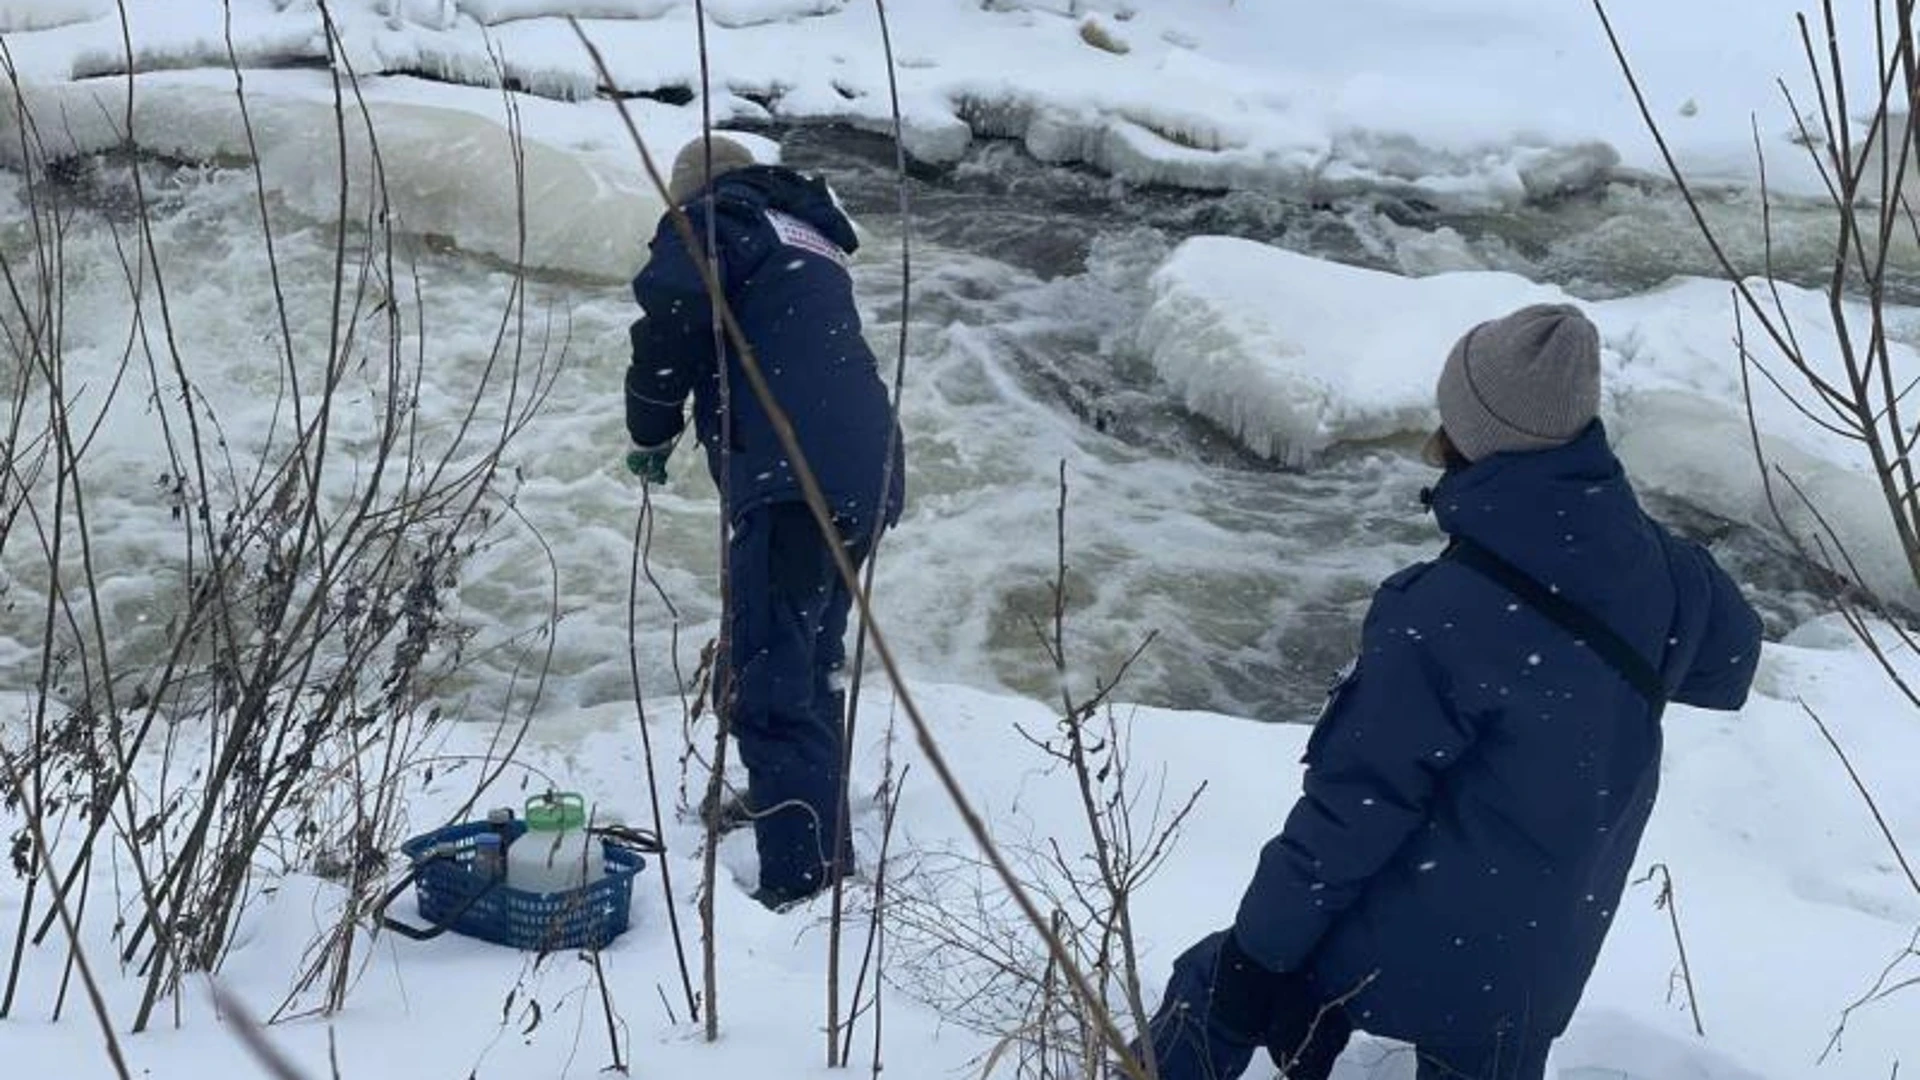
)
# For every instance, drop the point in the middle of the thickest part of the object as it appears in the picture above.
(1292, 355)
(1475, 103)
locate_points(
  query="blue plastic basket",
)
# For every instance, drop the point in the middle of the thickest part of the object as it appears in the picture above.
(453, 895)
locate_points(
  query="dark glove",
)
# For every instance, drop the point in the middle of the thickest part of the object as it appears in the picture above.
(649, 463)
(1213, 1015)
(1221, 1005)
(1306, 1035)
(1245, 994)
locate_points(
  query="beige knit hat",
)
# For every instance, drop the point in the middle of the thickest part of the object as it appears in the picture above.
(1529, 381)
(690, 166)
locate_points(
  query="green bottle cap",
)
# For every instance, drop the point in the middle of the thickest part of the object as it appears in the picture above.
(557, 811)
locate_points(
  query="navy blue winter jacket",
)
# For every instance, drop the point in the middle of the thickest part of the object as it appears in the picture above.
(1477, 787)
(782, 249)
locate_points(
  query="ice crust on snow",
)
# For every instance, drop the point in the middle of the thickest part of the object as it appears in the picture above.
(1293, 355)
(737, 13)
(493, 12)
(446, 163)
(1488, 104)
(22, 15)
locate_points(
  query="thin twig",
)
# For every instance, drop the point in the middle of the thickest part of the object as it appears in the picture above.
(1878, 991)
(878, 530)
(36, 814)
(268, 1056)
(1667, 900)
(606, 1007)
(1879, 819)
(642, 546)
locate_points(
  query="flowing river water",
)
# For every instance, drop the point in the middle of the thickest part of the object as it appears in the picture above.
(1021, 368)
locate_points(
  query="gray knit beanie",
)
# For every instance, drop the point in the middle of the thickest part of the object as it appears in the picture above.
(690, 166)
(1529, 381)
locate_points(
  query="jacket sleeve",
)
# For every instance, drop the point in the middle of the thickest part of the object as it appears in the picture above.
(1729, 653)
(1373, 763)
(673, 340)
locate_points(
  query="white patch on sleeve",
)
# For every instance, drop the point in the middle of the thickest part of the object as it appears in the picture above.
(1341, 681)
(796, 233)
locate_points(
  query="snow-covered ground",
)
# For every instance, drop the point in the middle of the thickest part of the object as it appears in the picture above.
(1790, 902)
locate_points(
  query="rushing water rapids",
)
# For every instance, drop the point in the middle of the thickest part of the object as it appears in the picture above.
(1027, 285)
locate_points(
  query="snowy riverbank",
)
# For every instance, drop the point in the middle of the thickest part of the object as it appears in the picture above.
(1489, 103)
(1790, 902)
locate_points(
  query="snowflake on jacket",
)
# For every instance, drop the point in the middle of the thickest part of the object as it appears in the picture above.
(1477, 788)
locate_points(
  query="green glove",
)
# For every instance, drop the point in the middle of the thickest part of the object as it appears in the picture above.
(649, 463)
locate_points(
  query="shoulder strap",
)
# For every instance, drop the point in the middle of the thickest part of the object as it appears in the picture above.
(1572, 618)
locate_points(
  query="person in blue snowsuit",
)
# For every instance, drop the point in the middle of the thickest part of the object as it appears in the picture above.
(782, 247)
(1478, 782)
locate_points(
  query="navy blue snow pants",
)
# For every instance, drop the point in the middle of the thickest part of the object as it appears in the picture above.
(789, 621)
(1304, 1037)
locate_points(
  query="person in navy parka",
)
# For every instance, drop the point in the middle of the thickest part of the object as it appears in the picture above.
(782, 248)
(1478, 783)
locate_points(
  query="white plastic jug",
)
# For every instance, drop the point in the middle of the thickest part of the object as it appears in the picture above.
(556, 853)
